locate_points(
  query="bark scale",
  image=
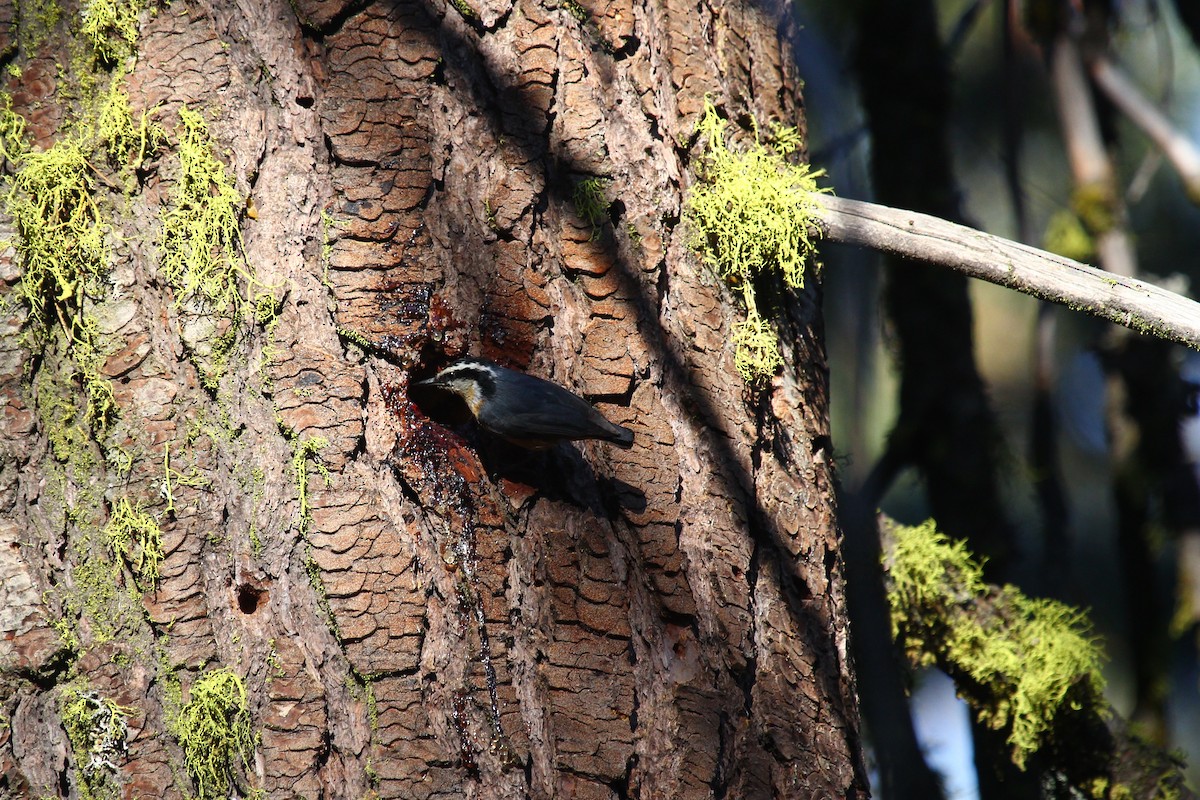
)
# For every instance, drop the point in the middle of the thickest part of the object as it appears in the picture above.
(446, 616)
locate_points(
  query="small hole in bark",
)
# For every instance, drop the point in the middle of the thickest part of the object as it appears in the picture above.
(304, 101)
(250, 598)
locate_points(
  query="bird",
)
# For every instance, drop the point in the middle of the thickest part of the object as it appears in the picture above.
(527, 411)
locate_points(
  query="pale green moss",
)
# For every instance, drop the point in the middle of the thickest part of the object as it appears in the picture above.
(96, 596)
(1067, 236)
(576, 10)
(135, 537)
(98, 730)
(464, 9)
(1024, 661)
(752, 213)
(214, 730)
(590, 203)
(35, 20)
(202, 237)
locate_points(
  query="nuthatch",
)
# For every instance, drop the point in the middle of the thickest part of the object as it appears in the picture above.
(525, 410)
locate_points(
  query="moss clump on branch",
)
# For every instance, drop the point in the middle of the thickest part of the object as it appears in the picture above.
(98, 730)
(213, 728)
(751, 213)
(1022, 663)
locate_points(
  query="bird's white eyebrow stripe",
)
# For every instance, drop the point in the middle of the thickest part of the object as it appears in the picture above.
(468, 369)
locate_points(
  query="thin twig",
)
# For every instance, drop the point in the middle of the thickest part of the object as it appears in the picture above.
(1135, 304)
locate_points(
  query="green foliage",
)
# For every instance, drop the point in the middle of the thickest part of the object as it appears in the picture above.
(590, 202)
(202, 237)
(1020, 663)
(99, 733)
(135, 537)
(213, 728)
(752, 213)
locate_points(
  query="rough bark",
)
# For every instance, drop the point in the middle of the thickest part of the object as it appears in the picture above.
(450, 616)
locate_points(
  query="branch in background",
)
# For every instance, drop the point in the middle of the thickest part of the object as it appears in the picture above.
(1135, 304)
(1095, 198)
(1178, 149)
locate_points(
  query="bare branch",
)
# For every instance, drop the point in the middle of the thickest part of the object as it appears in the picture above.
(1179, 150)
(1137, 305)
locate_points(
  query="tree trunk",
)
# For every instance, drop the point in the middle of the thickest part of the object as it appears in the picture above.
(415, 610)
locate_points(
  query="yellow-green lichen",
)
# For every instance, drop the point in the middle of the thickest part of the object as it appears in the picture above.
(267, 308)
(1020, 663)
(202, 237)
(590, 203)
(355, 338)
(111, 26)
(127, 142)
(214, 730)
(173, 477)
(61, 235)
(752, 213)
(95, 596)
(304, 450)
(135, 537)
(54, 394)
(98, 730)
(12, 131)
(62, 241)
